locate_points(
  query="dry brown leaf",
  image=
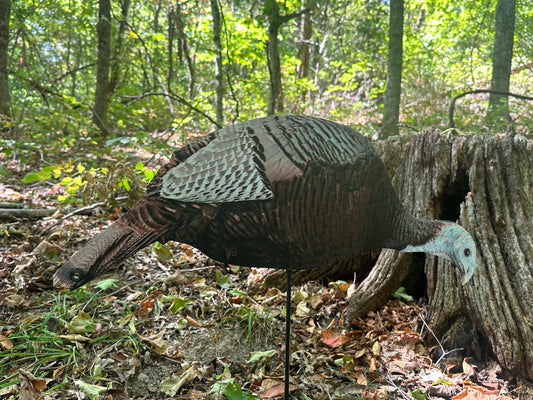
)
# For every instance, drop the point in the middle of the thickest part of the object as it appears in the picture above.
(31, 388)
(373, 365)
(467, 368)
(376, 348)
(5, 342)
(75, 337)
(193, 322)
(333, 339)
(478, 393)
(361, 379)
(274, 388)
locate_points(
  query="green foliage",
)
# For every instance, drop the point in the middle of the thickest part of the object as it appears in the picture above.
(52, 64)
(400, 293)
(232, 390)
(100, 183)
(418, 394)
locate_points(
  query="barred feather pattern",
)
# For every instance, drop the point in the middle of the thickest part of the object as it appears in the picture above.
(283, 192)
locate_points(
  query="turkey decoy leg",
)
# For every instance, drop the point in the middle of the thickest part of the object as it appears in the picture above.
(287, 333)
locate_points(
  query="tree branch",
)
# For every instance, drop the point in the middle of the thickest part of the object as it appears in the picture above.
(175, 97)
(451, 109)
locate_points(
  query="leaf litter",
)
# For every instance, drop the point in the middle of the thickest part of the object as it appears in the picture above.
(181, 325)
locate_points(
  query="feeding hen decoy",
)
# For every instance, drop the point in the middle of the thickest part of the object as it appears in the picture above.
(290, 192)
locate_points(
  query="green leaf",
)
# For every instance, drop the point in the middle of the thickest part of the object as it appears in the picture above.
(400, 293)
(31, 177)
(178, 305)
(237, 292)
(256, 356)
(224, 281)
(81, 323)
(234, 392)
(105, 284)
(419, 394)
(162, 251)
(149, 174)
(91, 391)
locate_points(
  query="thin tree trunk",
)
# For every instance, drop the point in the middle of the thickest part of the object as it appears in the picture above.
(391, 110)
(5, 13)
(304, 49)
(502, 57)
(184, 47)
(275, 20)
(275, 102)
(117, 65)
(486, 184)
(101, 98)
(304, 52)
(219, 81)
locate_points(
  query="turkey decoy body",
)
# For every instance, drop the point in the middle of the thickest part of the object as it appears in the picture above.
(290, 192)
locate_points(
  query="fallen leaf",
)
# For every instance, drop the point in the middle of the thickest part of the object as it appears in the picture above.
(75, 337)
(256, 356)
(91, 391)
(467, 368)
(159, 344)
(5, 342)
(376, 348)
(81, 323)
(145, 308)
(275, 391)
(194, 322)
(31, 388)
(171, 385)
(333, 339)
(373, 365)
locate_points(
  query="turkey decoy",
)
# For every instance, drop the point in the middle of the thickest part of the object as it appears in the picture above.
(290, 192)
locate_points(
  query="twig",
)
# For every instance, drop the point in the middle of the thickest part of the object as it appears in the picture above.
(78, 211)
(404, 394)
(451, 109)
(444, 352)
(175, 97)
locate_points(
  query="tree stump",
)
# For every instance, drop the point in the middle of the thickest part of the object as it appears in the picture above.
(485, 182)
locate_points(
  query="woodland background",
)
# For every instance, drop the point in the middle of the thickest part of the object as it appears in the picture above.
(95, 95)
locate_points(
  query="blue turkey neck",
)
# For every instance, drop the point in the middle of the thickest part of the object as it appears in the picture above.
(409, 230)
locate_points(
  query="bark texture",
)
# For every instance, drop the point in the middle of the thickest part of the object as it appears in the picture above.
(5, 12)
(486, 183)
(219, 82)
(391, 109)
(275, 20)
(502, 57)
(101, 97)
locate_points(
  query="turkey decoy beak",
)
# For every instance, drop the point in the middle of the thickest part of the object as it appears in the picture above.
(58, 284)
(466, 275)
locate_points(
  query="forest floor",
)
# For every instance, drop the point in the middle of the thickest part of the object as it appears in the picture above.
(171, 323)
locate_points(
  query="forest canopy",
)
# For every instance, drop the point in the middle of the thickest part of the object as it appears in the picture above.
(162, 63)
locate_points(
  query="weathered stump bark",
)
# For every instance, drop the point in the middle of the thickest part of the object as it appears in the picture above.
(486, 184)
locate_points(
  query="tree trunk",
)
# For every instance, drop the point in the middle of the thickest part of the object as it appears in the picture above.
(275, 102)
(219, 81)
(502, 57)
(117, 64)
(391, 109)
(184, 47)
(486, 183)
(101, 98)
(304, 50)
(5, 12)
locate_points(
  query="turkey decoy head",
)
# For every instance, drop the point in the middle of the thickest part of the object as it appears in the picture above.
(453, 243)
